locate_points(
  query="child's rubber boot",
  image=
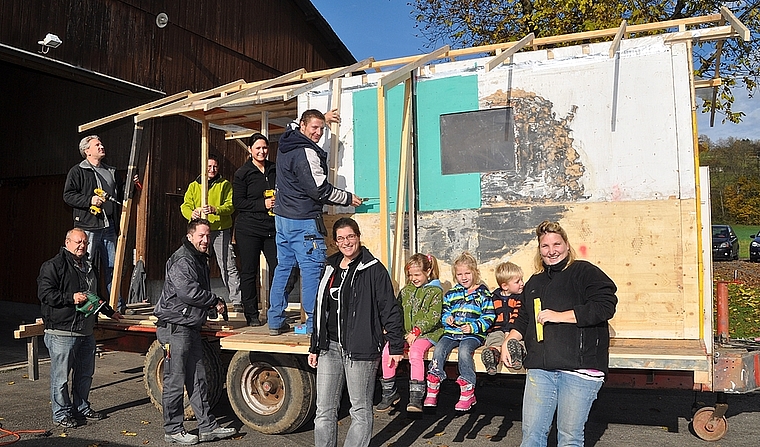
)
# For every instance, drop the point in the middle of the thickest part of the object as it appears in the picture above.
(466, 395)
(433, 385)
(390, 395)
(416, 395)
(490, 358)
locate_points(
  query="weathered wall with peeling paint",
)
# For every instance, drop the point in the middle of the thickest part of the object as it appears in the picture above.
(602, 145)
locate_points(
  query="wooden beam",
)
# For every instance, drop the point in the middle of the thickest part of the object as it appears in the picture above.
(126, 210)
(702, 35)
(332, 175)
(133, 110)
(255, 88)
(618, 37)
(204, 163)
(397, 263)
(167, 109)
(503, 55)
(707, 83)
(382, 175)
(400, 75)
(741, 30)
(325, 79)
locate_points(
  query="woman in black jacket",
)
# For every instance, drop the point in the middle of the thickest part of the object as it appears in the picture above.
(564, 322)
(355, 313)
(252, 196)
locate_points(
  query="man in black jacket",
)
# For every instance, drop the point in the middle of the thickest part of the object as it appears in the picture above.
(302, 190)
(92, 213)
(68, 281)
(181, 310)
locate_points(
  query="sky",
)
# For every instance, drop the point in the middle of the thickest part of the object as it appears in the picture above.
(384, 29)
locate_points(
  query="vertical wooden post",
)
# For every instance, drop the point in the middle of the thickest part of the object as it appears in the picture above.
(397, 262)
(382, 175)
(332, 176)
(204, 164)
(264, 283)
(33, 355)
(126, 209)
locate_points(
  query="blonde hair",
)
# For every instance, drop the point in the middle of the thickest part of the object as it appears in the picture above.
(469, 261)
(426, 263)
(507, 271)
(544, 228)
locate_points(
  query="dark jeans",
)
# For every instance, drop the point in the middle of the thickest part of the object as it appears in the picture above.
(184, 370)
(250, 248)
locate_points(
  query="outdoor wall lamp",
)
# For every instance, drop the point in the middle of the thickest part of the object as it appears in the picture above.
(50, 41)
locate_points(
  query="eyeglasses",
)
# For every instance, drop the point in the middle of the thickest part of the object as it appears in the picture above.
(349, 238)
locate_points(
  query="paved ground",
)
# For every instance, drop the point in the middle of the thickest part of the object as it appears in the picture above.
(618, 418)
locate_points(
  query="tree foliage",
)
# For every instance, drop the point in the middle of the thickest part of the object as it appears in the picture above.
(478, 22)
(734, 179)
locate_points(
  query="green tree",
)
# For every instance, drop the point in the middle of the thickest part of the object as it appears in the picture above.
(464, 23)
(734, 179)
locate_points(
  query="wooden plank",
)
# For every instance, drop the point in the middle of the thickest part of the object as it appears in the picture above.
(133, 110)
(708, 83)
(33, 358)
(399, 75)
(503, 55)
(401, 194)
(204, 163)
(702, 35)
(382, 175)
(173, 108)
(126, 210)
(30, 330)
(332, 175)
(325, 79)
(255, 88)
(618, 37)
(741, 30)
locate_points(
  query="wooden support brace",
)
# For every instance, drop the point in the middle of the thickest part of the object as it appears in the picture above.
(255, 88)
(400, 75)
(504, 55)
(618, 37)
(132, 111)
(397, 262)
(204, 163)
(332, 175)
(736, 24)
(342, 72)
(32, 332)
(382, 175)
(167, 109)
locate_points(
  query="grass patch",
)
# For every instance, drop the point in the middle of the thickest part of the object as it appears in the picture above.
(743, 232)
(743, 311)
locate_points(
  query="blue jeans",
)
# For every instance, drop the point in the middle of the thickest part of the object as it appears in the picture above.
(102, 250)
(466, 348)
(67, 354)
(571, 396)
(334, 369)
(299, 243)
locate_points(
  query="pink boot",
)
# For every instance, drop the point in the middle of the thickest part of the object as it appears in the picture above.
(433, 385)
(466, 395)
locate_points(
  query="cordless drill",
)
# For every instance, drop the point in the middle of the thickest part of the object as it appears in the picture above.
(105, 196)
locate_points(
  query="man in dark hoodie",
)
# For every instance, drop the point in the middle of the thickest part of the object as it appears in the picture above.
(181, 310)
(302, 190)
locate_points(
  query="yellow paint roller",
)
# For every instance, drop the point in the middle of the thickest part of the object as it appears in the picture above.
(539, 326)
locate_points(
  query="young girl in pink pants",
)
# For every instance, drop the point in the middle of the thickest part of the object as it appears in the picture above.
(421, 301)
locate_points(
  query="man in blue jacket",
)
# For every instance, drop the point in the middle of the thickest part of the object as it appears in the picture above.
(302, 190)
(181, 310)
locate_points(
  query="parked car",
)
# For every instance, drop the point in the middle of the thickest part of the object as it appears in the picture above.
(754, 248)
(725, 244)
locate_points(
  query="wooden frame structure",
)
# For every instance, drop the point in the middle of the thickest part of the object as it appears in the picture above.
(242, 108)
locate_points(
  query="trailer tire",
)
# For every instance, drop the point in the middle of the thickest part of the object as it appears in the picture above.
(271, 393)
(154, 372)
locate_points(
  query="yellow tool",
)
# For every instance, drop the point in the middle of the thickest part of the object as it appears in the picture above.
(539, 326)
(105, 196)
(269, 193)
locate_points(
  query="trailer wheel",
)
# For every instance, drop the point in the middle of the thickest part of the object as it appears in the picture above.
(271, 393)
(707, 428)
(154, 373)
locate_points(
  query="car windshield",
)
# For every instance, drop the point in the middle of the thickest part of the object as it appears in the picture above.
(720, 232)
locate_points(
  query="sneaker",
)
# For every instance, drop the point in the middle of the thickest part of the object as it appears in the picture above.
(255, 322)
(182, 437)
(92, 414)
(516, 352)
(281, 330)
(218, 433)
(67, 422)
(490, 359)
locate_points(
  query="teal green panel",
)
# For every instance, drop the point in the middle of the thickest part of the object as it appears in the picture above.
(366, 164)
(434, 98)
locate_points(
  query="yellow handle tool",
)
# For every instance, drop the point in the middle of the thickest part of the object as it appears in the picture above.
(539, 326)
(269, 193)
